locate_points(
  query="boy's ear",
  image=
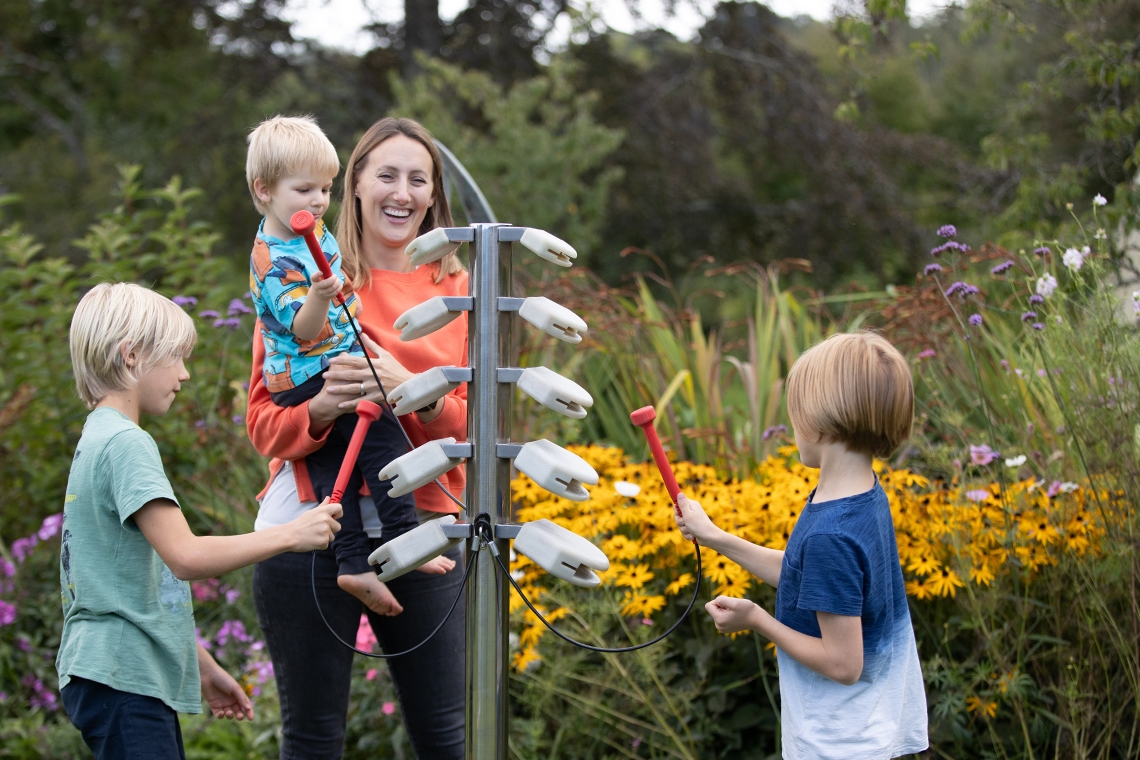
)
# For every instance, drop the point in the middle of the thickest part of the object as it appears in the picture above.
(130, 358)
(262, 190)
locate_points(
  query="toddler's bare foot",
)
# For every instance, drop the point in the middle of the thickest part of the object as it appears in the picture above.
(367, 588)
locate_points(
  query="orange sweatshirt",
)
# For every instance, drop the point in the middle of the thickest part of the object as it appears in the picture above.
(283, 432)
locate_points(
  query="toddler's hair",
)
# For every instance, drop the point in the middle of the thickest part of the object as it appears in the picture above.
(853, 388)
(113, 316)
(287, 145)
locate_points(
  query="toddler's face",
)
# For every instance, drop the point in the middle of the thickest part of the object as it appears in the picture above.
(304, 191)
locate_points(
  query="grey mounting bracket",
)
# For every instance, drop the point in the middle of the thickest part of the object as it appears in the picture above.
(460, 234)
(509, 374)
(510, 304)
(459, 530)
(511, 234)
(507, 531)
(459, 303)
(458, 450)
(507, 450)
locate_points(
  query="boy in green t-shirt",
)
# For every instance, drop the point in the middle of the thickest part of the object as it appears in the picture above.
(128, 658)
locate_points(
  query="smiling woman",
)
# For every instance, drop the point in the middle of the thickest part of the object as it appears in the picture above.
(393, 192)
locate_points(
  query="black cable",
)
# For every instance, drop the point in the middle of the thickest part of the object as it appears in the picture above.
(462, 585)
(556, 632)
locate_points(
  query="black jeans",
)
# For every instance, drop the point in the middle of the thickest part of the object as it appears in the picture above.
(383, 443)
(313, 671)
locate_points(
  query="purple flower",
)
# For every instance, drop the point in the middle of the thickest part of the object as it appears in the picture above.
(931, 269)
(961, 289)
(50, 527)
(248, 296)
(24, 644)
(927, 354)
(219, 322)
(7, 613)
(200, 424)
(775, 430)
(185, 300)
(237, 307)
(1042, 251)
(233, 323)
(1036, 299)
(22, 547)
(947, 231)
(7, 567)
(1038, 326)
(976, 319)
(1054, 489)
(203, 641)
(982, 455)
(208, 314)
(1028, 316)
(978, 494)
(1005, 365)
(234, 629)
(238, 419)
(232, 595)
(1002, 267)
(1041, 373)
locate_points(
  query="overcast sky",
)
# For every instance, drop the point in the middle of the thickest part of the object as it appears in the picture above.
(337, 23)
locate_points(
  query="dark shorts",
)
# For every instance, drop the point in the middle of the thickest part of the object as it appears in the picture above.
(118, 725)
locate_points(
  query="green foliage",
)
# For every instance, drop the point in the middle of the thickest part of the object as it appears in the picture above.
(534, 148)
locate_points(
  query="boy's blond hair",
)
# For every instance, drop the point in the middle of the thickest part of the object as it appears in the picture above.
(855, 389)
(287, 145)
(114, 317)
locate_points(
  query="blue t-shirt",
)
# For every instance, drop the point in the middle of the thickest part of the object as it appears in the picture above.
(280, 274)
(842, 558)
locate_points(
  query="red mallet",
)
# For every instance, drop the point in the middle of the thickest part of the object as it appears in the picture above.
(368, 413)
(643, 418)
(303, 224)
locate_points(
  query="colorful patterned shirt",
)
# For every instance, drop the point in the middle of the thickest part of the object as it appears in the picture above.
(279, 278)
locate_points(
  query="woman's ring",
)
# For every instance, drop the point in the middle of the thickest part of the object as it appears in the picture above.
(362, 391)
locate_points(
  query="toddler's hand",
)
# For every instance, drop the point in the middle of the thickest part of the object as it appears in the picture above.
(692, 520)
(326, 287)
(441, 565)
(733, 615)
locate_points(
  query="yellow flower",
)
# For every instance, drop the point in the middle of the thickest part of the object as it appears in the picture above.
(683, 580)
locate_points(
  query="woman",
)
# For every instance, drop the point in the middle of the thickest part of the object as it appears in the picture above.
(393, 192)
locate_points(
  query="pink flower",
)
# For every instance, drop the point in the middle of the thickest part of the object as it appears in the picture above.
(232, 595)
(387, 708)
(982, 455)
(7, 613)
(927, 354)
(365, 638)
(646, 621)
(978, 494)
(202, 640)
(9, 569)
(1054, 489)
(50, 527)
(234, 629)
(371, 674)
(22, 547)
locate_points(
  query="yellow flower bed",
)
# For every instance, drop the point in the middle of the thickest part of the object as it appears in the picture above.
(941, 533)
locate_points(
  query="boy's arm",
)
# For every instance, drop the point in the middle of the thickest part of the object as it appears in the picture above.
(224, 695)
(314, 312)
(838, 655)
(761, 561)
(193, 558)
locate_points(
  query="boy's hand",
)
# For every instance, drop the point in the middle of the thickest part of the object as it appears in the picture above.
(326, 287)
(693, 521)
(225, 696)
(315, 528)
(733, 615)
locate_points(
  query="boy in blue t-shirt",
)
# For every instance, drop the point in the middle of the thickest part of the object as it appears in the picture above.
(850, 679)
(290, 167)
(128, 659)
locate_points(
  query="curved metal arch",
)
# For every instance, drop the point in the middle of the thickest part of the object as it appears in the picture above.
(471, 198)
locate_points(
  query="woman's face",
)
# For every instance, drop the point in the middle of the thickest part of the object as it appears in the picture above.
(395, 191)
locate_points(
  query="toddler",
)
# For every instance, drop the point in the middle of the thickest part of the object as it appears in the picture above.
(850, 679)
(290, 167)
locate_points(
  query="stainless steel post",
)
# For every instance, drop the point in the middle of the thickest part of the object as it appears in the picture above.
(488, 490)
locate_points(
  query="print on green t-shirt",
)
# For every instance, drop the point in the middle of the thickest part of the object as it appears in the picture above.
(128, 622)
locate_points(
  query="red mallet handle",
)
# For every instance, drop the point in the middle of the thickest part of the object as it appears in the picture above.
(303, 224)
(643, 418)
(368, 413)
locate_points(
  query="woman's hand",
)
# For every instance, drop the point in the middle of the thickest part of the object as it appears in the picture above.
(349, 380)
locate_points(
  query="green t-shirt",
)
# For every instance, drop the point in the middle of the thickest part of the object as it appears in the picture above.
(127, 621)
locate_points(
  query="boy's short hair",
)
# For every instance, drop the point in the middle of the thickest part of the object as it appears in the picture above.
(853, 388)
(286, 145)
(112, 316)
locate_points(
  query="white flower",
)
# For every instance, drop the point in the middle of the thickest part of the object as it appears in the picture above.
(1059, 320)
(1015, 461)
(1099, 200)
(1047, 284)
(1068, 487)
(1072, 259)
(1101, 234)
(627, 489)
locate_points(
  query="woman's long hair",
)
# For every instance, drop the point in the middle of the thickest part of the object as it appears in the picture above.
(349, 230)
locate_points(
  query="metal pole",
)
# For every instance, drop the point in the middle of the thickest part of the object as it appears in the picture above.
(488, 490)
